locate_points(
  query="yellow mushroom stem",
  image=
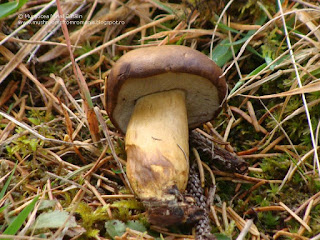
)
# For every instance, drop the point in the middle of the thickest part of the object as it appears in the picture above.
(157, 146)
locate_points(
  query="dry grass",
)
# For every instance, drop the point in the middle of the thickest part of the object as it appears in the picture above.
(51, 91)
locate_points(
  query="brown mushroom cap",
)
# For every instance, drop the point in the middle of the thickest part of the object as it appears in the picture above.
(154, 69)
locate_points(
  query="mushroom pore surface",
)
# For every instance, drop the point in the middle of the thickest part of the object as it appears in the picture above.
(201, 96)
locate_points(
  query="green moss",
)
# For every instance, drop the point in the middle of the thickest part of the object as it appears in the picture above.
(85, 48)
(91, 217)
(126, 207)
(269, 219)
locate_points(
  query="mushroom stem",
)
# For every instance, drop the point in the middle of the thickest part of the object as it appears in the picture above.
(157, 146)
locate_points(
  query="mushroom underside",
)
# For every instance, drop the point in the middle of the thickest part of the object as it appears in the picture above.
(202, 98)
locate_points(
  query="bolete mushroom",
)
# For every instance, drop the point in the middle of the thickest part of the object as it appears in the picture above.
(154, 95)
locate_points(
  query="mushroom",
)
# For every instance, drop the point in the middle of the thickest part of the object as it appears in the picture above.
(154, 95)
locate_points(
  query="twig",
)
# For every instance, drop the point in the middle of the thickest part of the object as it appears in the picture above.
(243, 177)
(288, 234)
(217, 155)
(253, 116)
(200, 167)
(247, 118)
(295, 216)
(306, 217)
(240, 222)
(273, 144)
(215, 217)
(317, 237)
(245, 230)
(264, 209)
(117, 196)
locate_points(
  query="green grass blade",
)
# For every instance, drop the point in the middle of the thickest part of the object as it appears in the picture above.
(252, 50)
(221, 54)
(16, 224)
(3, 208)
(227, 28)
(163, 6)
(254, 72)
(10, 7)
(4, 189)
(242, 40)
(7, 8)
